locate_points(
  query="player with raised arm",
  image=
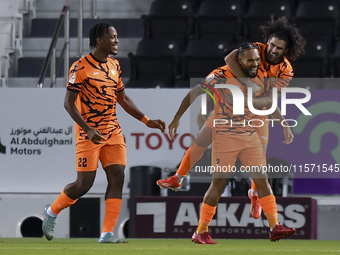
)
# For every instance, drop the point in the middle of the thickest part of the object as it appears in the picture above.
(232, 140)
(94, 88)
(284, 43)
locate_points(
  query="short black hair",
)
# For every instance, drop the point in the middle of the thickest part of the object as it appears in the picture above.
(284, 30)
(244, 47)
(98, 31)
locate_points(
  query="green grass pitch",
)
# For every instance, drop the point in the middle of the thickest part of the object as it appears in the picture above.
(73, 246)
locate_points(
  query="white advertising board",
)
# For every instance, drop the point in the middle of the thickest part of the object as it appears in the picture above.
(37, 145)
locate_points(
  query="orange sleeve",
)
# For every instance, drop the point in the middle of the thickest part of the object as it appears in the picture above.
(214, 77)
(76, 77)
(120, 86)
(285, 75)
(262, 50)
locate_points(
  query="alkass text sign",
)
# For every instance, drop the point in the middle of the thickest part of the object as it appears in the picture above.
(177, 217)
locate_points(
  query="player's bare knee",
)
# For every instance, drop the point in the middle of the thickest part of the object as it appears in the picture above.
(259, 175)
(219, 184)
(261, 182)
(115, 177)
(84, 187)
(116, 173)
(119, 176)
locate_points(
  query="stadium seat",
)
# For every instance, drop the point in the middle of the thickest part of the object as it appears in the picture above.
(9, 12)
(169, 20)
(144, 84)
(182, 83)
(4, 61)
(336, 61)
(314, 62)
(155, 60)
(32, 66)
(126, 27)
(243, 3)
(27, 7)
(7, 28)
(194, 4)
(298, 2)
(292, 4)
(318, 20)
(219, 20)
(201, 57)
(259, 13)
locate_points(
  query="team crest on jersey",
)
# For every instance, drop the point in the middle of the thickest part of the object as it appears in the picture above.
(272, 79)
(210, 77)
(72, 78)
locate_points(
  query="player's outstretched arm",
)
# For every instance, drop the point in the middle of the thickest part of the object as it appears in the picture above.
(261, 102)
(287, 132)
(129, 106)
(187, 101)
(266, 102)
(93, 134)
(258, 103)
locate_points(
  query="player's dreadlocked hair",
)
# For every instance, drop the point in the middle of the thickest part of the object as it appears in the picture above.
(245, 46)
(284, 30)
(97, 31)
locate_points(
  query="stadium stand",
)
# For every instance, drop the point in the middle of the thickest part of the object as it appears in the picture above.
(201, 57)
(185, 21)
(155, 60)
(27, 7)
(291, 3)
(105, 9)
(124, 15)
(7, 27)
(259, 12)
(130, 32)
(4, 62)
(195, 4)
(336, 61)
(314, 63)
(11, 27)
(318, 20)
(219, 20)
(169, 20)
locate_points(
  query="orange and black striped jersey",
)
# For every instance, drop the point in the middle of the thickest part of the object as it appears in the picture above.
(97, 83)
(223, 109)
(279, 75)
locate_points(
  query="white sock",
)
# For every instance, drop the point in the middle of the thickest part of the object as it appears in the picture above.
(50, 212)
(180, 177)
(253, 192)
(104, 233)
